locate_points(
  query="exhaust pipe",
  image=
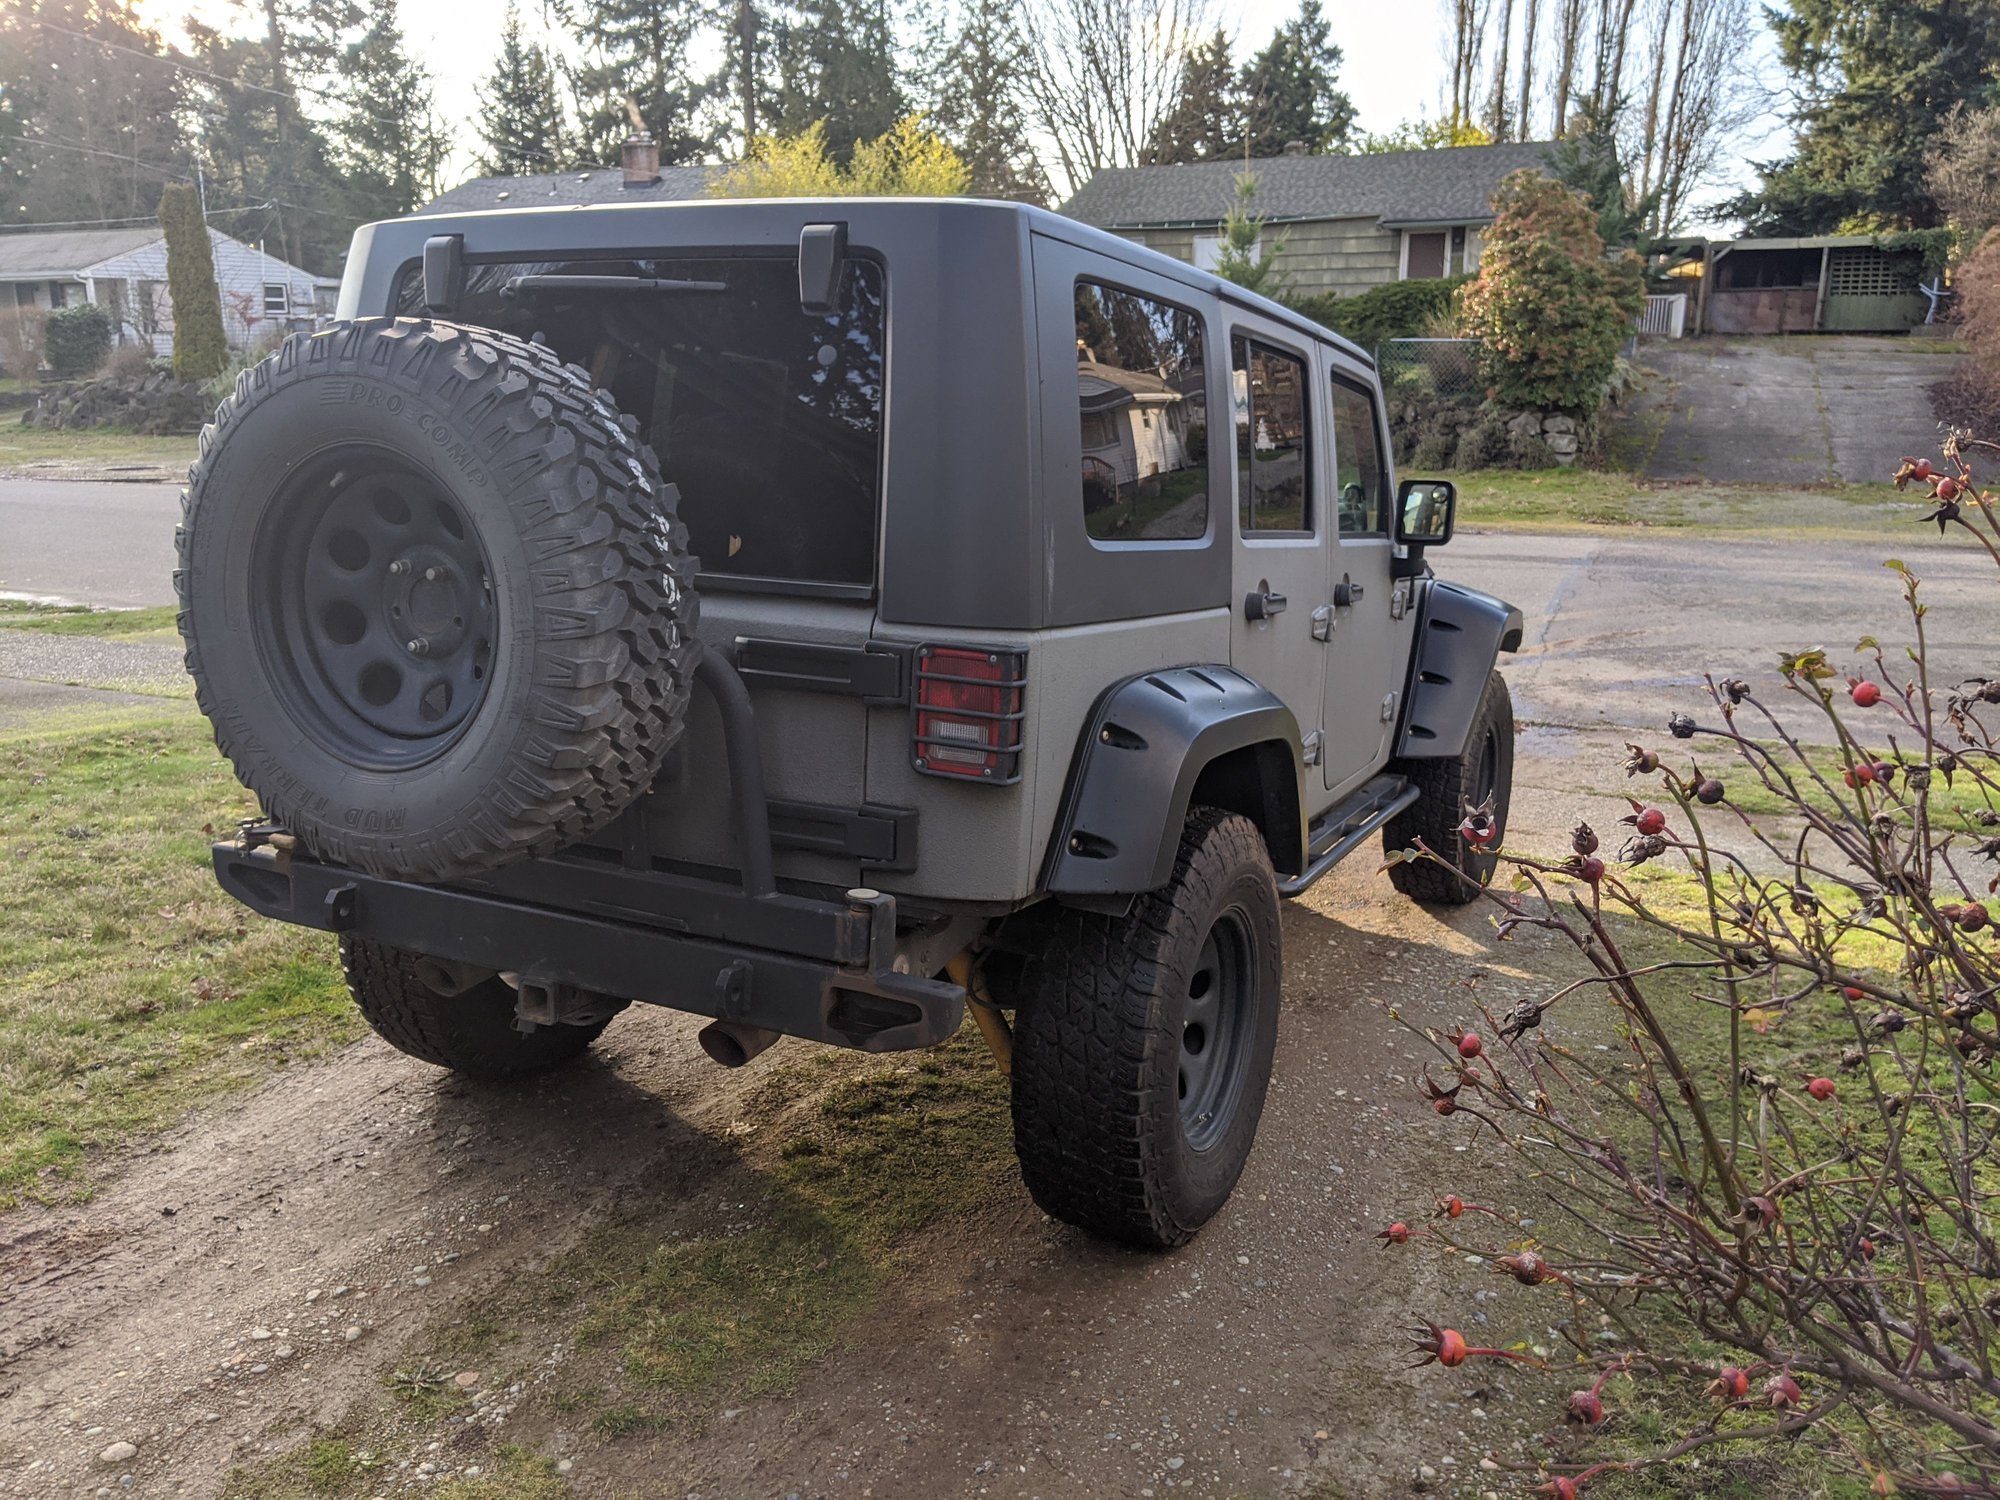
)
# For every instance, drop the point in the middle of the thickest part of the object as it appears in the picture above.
(733, 1045)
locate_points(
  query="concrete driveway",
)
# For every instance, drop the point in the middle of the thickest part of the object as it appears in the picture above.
(1796, 411)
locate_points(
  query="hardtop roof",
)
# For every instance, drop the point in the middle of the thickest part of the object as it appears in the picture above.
(606, 223)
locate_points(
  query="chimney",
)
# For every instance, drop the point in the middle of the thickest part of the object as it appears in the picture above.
(641, 157)
(1295, 148)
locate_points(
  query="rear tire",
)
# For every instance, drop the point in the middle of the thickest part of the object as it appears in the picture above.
(1443, 788)
(1142, 1044)
(472, 1032)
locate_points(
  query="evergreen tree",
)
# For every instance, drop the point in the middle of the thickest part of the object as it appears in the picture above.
(259, 151)
(1291, 90)
(1244, 257)
(117, 117)
(639, 65)
(978, 104)
(1206, 122)
(1874, 81)
(391, 144)
(837, 63)
(200, 350)
(522, 124)
(1586, 161)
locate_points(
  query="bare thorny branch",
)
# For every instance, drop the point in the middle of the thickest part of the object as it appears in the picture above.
(1823, 1204)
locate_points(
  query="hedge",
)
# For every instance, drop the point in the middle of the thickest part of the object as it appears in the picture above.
(1393, 310)
(200, 350)
(77, 340)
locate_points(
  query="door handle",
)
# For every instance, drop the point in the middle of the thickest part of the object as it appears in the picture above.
(1261, 604)
(1323, 623)
(1346, 593)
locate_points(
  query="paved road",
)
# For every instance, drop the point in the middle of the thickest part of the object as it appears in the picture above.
(1787, 410)
(1621, 627)
(108, 545)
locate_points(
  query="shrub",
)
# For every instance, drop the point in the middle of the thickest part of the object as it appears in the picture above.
(1769, 1159)
(905, 160)
(1978, 287)
(1433, 452)
(1549, 308)
(77, 340)
(1394, 310)
(129, 362)
(200, 349)
(21, 333)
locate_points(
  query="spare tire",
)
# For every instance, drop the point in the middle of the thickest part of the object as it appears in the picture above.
(437, 602)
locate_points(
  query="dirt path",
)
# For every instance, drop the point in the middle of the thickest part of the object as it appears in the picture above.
(250, 1279)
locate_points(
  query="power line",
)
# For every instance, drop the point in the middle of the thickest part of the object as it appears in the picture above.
(130, 221)
(170, 172)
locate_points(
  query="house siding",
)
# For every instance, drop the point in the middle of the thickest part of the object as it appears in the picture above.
(241, 274)
(1343, 256)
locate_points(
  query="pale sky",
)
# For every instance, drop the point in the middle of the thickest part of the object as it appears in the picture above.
(1394, 68)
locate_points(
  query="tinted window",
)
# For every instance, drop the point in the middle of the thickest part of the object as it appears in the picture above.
(769, 419)
(1140, 381)
(1273, 472)
(1362, 477)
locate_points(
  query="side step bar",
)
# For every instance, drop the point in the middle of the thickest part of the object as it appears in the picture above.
(1338, 831)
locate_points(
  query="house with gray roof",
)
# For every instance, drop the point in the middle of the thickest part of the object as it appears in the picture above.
(1348, 222)
(125, 271)
(638, 178)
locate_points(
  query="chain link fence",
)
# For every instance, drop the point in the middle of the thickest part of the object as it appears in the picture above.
(1443, 369)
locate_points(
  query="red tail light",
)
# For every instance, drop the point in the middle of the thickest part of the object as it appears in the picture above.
(969, 713)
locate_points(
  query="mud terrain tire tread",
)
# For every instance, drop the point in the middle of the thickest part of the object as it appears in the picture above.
(470, 1033)
(1442, 786)
(614, 614)
(1096, 1048)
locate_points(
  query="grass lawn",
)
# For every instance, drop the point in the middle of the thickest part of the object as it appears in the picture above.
(1574, 499)
(131, 988)
(154, 623)
(32, 445)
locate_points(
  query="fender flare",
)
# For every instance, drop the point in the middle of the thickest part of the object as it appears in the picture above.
(1460, 635)
(1143, 749)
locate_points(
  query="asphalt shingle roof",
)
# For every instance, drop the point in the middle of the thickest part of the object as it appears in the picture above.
(56, 251)
(1452, 185)
(586, 185)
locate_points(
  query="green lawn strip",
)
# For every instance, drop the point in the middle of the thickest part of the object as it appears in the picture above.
(697, 1301)
(155, 623)
(1573, 499)
(97, 445)
(131, 988)
(333, 1466)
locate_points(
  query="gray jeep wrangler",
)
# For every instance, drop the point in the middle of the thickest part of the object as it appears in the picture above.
(827, 617)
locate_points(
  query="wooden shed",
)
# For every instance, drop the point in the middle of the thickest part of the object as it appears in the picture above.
(1825, 284)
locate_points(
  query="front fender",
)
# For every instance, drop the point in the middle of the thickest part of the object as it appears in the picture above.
(1460, 634)
(1144, 748)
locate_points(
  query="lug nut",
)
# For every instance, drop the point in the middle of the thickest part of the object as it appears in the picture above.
(430, 575)
(399, 566)
(420, 647)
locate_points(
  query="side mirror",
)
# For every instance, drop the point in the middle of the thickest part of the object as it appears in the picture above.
(1425, 511)
(822, 259)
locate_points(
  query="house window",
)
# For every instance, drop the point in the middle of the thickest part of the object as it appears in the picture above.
(1273, 442)
(58, 295)
(1357, 461)
(277, 299)
(1143, 398)
(1423, 253)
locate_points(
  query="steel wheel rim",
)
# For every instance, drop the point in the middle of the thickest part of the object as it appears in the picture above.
(1216, 1018)
(371, 603)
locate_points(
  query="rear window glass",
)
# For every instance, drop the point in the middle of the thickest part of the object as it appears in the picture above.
(769, 419)
(1143, 407)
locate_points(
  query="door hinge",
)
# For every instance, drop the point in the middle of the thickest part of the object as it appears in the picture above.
(1399, 599)
(1310, 748)
(1323, 622)
(1388, 708)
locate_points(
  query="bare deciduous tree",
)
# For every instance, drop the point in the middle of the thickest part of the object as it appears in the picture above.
(1699, 97)
(1963, 171)
(1468, 28)
(1105, 72)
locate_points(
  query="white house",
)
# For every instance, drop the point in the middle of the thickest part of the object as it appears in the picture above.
(125, 270)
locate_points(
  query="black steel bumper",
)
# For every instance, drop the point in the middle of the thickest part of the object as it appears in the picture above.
(823, 970)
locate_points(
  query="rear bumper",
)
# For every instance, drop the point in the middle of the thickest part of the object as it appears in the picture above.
(822, 970)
